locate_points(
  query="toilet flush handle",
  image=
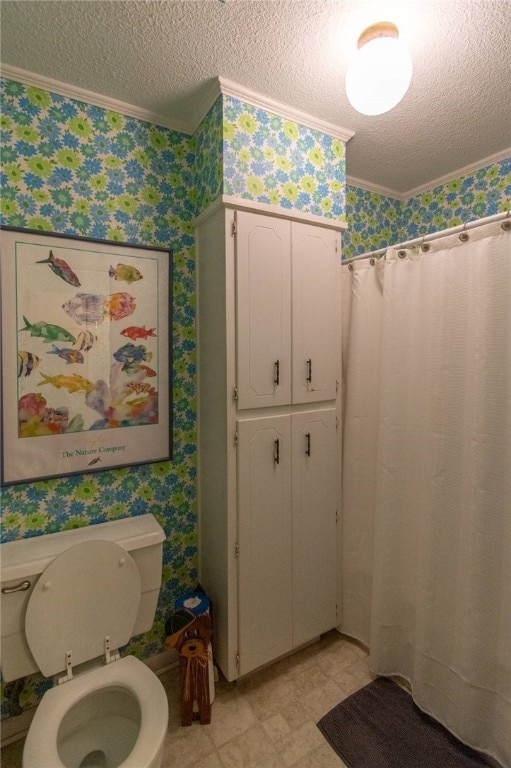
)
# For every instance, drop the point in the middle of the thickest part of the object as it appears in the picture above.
(21, 587)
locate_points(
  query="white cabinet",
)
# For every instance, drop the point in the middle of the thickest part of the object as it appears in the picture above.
(315, 474)
(269, 443)
(287, 311)
(265, 540)
(315, 308)
(263, 310)
(286, 532)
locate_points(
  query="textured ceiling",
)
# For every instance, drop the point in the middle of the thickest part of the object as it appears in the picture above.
(163, 55)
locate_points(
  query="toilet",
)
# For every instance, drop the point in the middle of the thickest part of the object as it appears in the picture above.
(70, 600)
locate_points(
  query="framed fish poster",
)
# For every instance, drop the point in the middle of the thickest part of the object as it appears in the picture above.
(86, 355)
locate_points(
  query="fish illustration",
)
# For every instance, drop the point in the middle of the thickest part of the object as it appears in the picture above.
(31, 405)
(149, 372)
(131, 355)
(85, 308)
(61, 269)
(94, 461)
(126, 273)
(119, 305)
(69, 355)
(91, 308)
(140, 387)
(56, 416)
(135, 332)
(36, 418)
(85, 340)
(27, 362)
(73, 383)
(47, 331)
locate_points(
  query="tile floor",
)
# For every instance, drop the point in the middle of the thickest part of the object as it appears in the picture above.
(267, 720)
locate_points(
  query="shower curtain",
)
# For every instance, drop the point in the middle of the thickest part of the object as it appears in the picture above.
(426, 515)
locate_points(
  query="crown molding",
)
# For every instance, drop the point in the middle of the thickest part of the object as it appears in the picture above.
(217, 87)
(204, 104)
(378, 188)
(91, 97)
(430, 185)
(222, 86)
(229, 88)
(465, 171)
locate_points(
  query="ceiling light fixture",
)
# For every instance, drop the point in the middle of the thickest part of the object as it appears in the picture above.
(380, 72)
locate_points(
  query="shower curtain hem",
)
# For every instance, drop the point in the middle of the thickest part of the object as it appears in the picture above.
(490, 755)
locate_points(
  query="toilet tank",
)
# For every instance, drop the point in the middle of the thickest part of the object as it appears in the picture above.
(22, 562)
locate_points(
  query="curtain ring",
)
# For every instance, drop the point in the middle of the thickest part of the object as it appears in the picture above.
(506, 224)
(464, 236)
(350, 267)
(372, 262)
(425, 246)
(401, 254)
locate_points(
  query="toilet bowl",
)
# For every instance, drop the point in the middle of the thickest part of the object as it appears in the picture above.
(70, 600)
(110, 717)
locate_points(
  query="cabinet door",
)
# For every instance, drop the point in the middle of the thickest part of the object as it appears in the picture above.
(315, 472)
(263, 310)
(265, 547)
(316, 309)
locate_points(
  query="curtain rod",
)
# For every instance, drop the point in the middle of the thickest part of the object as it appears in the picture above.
(433, 236)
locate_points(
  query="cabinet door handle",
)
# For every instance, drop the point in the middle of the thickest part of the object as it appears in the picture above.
(276, 372)
(21, 587)
(309, 370)
(308, 448)
(276, 451)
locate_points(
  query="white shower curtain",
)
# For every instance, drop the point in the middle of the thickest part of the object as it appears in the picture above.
(426, 516)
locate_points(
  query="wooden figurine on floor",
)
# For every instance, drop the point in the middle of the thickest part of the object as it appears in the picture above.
(192, 642)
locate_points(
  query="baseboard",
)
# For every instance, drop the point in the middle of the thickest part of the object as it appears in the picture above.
(162, 662)
(14, 728)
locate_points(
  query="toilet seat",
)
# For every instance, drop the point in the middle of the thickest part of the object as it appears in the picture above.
(92, 593)
(130, 674)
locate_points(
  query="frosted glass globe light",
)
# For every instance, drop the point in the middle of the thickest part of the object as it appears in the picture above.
(380, 72)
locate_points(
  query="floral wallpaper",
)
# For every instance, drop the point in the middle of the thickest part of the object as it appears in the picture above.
(373, 221)
(482, 193)
(279, 162)
(75, 168)
(208, 141)
(376, 221)
(78, 169)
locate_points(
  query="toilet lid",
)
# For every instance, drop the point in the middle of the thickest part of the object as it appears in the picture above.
(89, 592)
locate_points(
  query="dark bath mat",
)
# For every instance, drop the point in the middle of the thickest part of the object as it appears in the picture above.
(381, 727)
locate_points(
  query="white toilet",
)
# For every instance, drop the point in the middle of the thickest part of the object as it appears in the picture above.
(69, 601)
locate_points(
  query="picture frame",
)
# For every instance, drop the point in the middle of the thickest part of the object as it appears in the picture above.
(86, 354)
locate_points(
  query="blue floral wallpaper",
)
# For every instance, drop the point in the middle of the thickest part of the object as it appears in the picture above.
(78, 169)
(247, 152)
(373, 221)
(279, 162)
(376, 221)
(208, 142)
(75, 168)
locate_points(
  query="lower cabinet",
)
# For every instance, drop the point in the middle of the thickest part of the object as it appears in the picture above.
(286, 532)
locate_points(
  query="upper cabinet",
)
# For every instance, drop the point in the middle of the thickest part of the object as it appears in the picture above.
(286, 312)
(315, 307)
(263, 310)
